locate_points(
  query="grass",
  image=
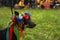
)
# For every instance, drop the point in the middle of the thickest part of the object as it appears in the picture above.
(48, 23)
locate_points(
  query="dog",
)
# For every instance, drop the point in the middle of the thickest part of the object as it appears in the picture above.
(28, 22)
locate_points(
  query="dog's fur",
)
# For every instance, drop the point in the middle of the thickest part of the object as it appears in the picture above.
(3, 35)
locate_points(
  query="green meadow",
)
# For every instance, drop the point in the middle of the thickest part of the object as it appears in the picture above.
(47, 23)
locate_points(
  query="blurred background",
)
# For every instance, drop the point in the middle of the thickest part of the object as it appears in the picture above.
(30, 3)
(45, 13)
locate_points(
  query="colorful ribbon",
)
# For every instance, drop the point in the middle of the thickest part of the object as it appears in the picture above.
(12, 28)
(16, 31)
(7, 33)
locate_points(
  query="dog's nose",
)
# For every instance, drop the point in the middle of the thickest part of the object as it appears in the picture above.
(32, 25)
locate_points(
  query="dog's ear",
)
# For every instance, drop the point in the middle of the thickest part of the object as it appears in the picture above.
(16, 13)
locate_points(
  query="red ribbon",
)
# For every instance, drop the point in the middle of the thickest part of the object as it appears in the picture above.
(11, 31)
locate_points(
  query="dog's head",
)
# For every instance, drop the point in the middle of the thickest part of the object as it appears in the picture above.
(26, 19)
